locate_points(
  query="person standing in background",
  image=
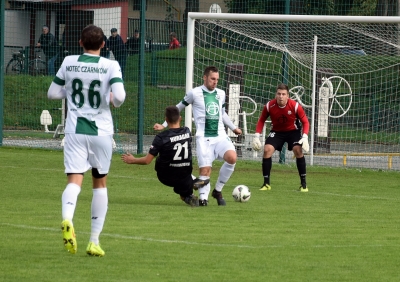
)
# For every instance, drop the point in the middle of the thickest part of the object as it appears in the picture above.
(133, 43)
(50, 48)
(105, 52)
(173, 43)
(117, 46)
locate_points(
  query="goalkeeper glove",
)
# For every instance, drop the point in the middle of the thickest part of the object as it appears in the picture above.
(304, 143)
(256, 142)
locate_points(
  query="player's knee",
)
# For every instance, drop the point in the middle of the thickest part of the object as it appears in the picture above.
(297, 151)
(268, 151)
(230, 157)
(96, 174)
(231, 160)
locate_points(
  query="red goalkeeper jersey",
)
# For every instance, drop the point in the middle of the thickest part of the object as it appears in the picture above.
(283, 118)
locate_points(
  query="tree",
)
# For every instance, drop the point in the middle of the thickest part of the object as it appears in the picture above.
(321, 7)
(191, 6)
(387, 8)
(308, 7)
(256, 6)
(315, 7)
(342, 7)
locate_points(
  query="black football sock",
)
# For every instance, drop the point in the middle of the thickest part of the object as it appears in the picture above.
(301, 167)
(266, 169)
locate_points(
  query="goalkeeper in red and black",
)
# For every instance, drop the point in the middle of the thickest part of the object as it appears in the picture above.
(286, 115)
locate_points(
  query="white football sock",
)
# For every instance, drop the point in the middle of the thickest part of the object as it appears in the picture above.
(68, 201)
(224, 175)
(99, 211)
(205, 190)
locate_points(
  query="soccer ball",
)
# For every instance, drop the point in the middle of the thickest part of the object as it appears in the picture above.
(241, 193)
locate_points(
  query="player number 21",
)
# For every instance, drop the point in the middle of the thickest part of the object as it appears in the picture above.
(178, 147)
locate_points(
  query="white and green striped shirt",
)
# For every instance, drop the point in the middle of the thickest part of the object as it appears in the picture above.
(88, 81)
(208, 109)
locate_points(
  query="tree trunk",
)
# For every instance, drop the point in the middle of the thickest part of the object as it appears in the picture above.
(387, 8)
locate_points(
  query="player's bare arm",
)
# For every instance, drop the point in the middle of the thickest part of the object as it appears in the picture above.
(158, 126)
(130, 159)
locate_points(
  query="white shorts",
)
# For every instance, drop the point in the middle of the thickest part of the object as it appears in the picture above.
(212, 148)
(83, 152)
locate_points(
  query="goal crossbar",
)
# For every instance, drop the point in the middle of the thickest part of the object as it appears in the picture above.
(292, 18)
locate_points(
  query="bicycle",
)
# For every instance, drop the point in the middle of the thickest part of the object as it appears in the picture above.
(36, 66)
(16, 64)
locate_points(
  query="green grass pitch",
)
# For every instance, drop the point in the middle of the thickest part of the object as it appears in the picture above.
(345, 229)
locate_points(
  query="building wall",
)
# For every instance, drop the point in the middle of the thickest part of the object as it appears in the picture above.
(157, 9)
(16, 26)
(103, 19)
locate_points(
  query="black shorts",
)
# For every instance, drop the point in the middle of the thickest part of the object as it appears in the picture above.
(183, 185)
(277, 139)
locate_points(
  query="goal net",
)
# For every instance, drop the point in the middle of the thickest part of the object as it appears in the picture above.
(343, 70)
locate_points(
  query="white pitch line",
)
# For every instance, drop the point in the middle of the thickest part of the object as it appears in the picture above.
(138, 238)
(132, 177)
(344, 195)
(354, 196)
(31, 168)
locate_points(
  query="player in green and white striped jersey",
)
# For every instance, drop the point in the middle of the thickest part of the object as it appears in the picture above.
(90, 83)
(212, 141)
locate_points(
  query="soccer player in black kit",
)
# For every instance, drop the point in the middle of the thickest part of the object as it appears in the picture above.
(174, 161)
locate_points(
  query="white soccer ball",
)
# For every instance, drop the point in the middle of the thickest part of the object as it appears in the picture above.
(241, 193)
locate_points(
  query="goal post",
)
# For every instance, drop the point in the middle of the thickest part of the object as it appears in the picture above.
(344, 70)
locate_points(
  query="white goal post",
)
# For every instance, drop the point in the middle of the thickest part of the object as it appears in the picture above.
(336, 67)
